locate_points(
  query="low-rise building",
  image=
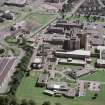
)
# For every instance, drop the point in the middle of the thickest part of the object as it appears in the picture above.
(76, 54)
(61, 86)
(81, 88)
(53, 29)
(68, 26)
(57, 39)
(76, 73)
(103, 54)
(18, 26)
(100, 63)
(20, 3)
(42, 80)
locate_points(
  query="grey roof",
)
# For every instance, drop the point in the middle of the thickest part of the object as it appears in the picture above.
(103, 54)
(57, 85)
(96, 39)
(5, 66)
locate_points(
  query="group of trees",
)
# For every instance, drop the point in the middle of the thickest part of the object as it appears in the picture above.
(93, 18)
(5, 100)
(67, 6)
(21, 68)
(49, 103)
(2, 51)
(95, 96)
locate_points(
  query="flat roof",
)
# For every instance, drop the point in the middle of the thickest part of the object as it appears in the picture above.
(6, 64)
(37, 60)
(57, 85)
(100, 61)
(101, 47)
(73, 61)
(76, 52)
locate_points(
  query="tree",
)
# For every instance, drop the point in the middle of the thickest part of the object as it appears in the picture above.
(95, 96)
(27, 73)
(57, 103)
(13, 101)
(2, 51)
(4, 100)
(24, 102)
(31, 102)
(46, 103)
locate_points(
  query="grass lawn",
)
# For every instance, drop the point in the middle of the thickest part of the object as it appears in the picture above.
(40, 18)
(27, 90)
(93, 61)
(98, 76)
(64, 66)
(16, 51)
(11, 39)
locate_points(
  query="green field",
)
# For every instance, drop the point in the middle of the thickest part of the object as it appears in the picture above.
(65, 66)
(27, 90)
(40, 18)
(98, 76)
(11, 39)
(16, 51)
